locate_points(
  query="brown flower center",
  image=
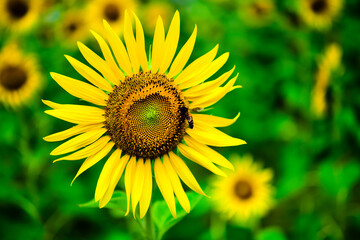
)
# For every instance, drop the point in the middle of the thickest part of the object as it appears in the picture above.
(17, 8)
(243, 190)
(143, 115)
(12, 77)
(319, 6)
(111, 12)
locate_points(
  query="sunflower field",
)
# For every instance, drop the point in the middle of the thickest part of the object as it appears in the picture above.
(120, 119)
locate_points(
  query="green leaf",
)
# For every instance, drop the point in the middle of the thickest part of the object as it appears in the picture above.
(162, 217)
(270, 234)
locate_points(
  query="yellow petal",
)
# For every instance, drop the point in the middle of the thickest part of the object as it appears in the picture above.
(200, 159)
(171, 42)
(158, 45)
(211, 154)
(129, 180)
(164, 184)
(210, 70)
(206, 87)
(97, 62)
(145, 198)
(212, 136)
(197, 66)
(214, 121)
(54, 105)
(183, 56)
(109, 59)
(211, 98)
(87, 151)
(92, 160)
(80, 89)
(138, 184)
(140, 44)
(118, 48)
(89, 74)
(59, 136)
(79, 141)
(115, 178)
(106, 174)
(78, 114)
(130, 43)
(176, 184)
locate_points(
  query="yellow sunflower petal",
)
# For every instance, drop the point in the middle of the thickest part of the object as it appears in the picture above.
(200, 159)
(197, 66)
(158, 45)
(109, 59)
(92, 160)
(119, 50)
(183, 56)
(89, 74)
(184, 173)
(214, 121)
(212, 155)
(79, 141)
(138, 184)
(53, 105)
(80, 89)
(176, 184)
(106, 174)
(145, 198)
(129, 180)
(207, 86)
(59, 136)
(87, 151)
(208, 72)
(212, 136)
(171, 42)
(164, 184)
(140, 44)
(97, 62)
(130, 43)
(115, 178)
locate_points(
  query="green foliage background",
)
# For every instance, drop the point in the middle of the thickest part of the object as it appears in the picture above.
(315, 161)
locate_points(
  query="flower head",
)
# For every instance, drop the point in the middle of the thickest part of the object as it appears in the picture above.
(145, 111)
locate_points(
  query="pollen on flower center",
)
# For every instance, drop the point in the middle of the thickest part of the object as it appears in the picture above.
(319, 6)
(17, 8)
(143, 115)
(12, 77)
(243, 190)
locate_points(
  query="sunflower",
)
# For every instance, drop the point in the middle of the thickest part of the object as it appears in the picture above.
(19, 14)
(319, 14)
(154, 9)
(143, 113)
(110, 10)
(246, 193)
(257, 13)
(19, 76)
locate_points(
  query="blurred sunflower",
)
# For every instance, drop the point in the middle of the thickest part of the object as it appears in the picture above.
(110, 10)
(246, 193)
(257, 13)
(19, 76)
(152, 10)
(19, 15)
(145, 114)
(319, 14)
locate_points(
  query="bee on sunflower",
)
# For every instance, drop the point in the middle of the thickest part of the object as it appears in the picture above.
(142, 114)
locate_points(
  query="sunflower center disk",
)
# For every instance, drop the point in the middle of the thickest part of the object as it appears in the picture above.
(243, 190)
(17, 8)
(319, 6)
(12, 77)
(111, 12)
(143, 115)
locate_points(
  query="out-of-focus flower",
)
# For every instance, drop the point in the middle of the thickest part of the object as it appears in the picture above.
(257, 13)
(143, 113)
(19, 76)
(319, 14)
(152, 10)
(20, 15)
(246, 193)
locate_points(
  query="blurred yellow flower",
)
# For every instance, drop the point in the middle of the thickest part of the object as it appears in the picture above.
(19, 76)
(144, 114)
(19, 15)
(152, 10)
(246, 193)
(320, 14)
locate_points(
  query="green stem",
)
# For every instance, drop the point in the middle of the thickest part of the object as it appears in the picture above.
(149, 226)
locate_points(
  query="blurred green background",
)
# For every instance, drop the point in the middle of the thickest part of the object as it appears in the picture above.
(314, 155)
